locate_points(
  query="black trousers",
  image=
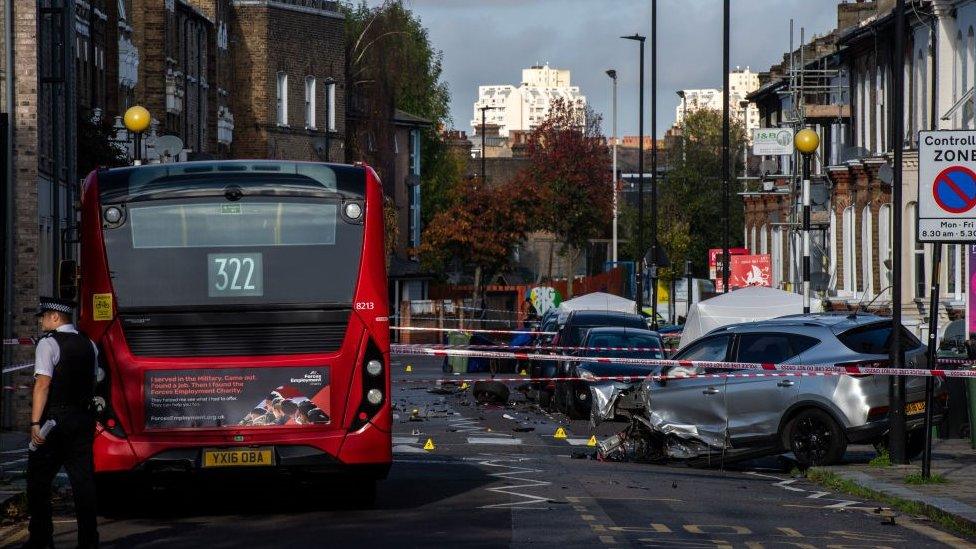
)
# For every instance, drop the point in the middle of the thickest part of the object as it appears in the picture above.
(69, 444)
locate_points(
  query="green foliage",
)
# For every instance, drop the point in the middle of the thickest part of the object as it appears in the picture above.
(690, 196)
(917, 478)
(833, 481)
(95, 146)
(883, 459)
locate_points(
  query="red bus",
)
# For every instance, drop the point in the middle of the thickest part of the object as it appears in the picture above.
(241, 312)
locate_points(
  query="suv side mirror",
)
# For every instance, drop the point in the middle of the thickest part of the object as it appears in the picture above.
(68, 279)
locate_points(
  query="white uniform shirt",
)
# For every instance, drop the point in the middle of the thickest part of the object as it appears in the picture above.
(48, 353)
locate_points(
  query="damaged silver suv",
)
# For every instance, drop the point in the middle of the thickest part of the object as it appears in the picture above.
(813, 417)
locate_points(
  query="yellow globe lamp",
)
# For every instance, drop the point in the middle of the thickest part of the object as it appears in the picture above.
(137, 119)
(806, 141)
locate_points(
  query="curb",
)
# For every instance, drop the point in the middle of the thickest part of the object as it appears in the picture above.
(960, 511)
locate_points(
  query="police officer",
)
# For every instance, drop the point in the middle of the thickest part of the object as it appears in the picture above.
(65, 371)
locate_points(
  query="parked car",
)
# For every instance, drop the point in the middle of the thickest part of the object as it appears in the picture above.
(813, 417)
(575, 399)
(570, 334)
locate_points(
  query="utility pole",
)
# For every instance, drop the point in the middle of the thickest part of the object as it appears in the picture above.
(613, 178)
(639, 256)
(896, 387)
(726, 212)
(654, 166)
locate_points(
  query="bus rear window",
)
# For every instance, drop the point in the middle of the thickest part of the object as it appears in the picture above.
(235, 224)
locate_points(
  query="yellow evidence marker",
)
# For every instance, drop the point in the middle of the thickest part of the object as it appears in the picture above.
(429, 446)
(560, 433)
(409, 368)
(592, 441)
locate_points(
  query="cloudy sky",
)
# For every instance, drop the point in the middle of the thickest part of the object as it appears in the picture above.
(490, 41)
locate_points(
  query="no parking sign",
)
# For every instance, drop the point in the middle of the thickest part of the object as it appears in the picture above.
(947, 186)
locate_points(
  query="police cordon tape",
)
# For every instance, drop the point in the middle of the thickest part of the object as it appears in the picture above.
(849, 370)
(17, 367)
(20, 341)
(547, 348)
(466, 331)
(652, 377)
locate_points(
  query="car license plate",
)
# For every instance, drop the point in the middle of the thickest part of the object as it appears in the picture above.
(238, 457)
(913, 408)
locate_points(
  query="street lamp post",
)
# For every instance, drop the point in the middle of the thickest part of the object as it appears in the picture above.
(684, 121)
(654, 276)
(639, 256)
(726, 212)
(613, 179)
(806, 142)
(896, 387)
(137, 120)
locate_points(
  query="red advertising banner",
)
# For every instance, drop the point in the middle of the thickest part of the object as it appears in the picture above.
(748, 270)
(715, 260)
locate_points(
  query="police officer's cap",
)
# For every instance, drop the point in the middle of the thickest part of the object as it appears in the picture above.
(55, 304)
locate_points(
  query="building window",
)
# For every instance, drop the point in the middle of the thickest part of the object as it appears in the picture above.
(867, 258)
(310, 102)
(880, 122)
(848, 252)
(884, 245)
(281, 92)
(763, 240)
(414, 163)
(752, 240)
(833, 250)
(331, 105)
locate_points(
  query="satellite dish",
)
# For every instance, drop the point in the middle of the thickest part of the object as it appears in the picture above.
(886, 173)
(769, 165)
(169, 146)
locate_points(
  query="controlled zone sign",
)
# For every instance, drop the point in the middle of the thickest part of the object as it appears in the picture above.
(947, 186)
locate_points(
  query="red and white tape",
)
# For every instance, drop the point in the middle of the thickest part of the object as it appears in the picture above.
(526, 379)
(466, 331)
(20, 341)
(543, 348)
(814, 368)
(18, 367)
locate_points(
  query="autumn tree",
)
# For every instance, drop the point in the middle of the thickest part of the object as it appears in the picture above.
(570, 164)
(392, 64)
(481, 228)
(690, 195)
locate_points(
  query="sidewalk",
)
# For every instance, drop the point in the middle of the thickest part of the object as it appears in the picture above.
(953, 459)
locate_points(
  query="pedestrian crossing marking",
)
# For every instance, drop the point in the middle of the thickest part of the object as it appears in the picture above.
(429, 446)
(491, 440)
(560, 433)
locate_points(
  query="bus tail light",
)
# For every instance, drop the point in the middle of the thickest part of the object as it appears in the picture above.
(102, 404)
(373, 387)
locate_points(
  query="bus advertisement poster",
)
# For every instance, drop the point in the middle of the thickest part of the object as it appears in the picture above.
(235, 397)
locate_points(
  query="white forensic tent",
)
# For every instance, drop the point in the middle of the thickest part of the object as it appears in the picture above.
(596, 301)
(743, 305)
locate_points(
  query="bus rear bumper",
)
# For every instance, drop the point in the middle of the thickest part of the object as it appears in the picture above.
(368, 450)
